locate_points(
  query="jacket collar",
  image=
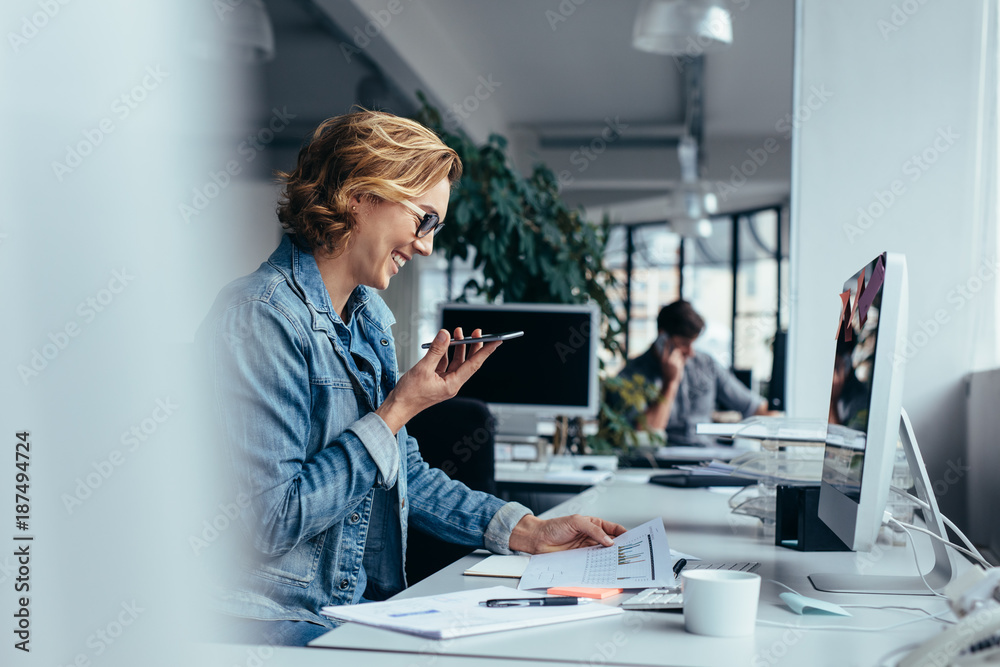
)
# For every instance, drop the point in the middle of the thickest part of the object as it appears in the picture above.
(302, 273)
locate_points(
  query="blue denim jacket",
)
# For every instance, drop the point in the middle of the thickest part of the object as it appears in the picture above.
(332, 489)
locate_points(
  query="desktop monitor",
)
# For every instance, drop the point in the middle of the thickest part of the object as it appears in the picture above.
(866, 420)
(550, 371)
(865, 402)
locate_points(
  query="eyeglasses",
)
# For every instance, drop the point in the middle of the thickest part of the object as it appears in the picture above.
(429, 222)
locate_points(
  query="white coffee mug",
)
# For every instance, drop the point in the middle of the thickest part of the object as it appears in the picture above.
(720, 603)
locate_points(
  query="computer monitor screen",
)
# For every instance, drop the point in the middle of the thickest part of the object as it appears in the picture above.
(865, 401)
(551, 370)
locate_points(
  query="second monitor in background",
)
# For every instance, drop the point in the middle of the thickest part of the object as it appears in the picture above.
(551, 371)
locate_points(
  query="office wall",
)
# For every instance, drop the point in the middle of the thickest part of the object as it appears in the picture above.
(886, 156)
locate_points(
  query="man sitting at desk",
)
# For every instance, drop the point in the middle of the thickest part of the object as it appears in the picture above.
(690, 383)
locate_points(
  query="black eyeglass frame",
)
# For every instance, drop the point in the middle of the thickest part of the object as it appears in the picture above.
(429, 222)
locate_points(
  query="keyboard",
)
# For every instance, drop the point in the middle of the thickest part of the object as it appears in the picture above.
(659, 599)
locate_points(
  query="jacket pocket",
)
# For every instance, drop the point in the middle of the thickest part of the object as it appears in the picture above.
(298, 567)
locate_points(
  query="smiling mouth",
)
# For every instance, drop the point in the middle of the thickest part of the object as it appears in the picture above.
(398, 259)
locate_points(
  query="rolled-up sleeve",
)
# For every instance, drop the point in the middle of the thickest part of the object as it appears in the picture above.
(497, 536)
(381, 444)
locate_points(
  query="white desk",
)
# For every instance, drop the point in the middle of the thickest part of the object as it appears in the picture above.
(698, 522)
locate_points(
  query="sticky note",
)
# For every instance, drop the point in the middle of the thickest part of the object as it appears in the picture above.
(871, 290)
(578, 592)
(801, 604)
(845, 307)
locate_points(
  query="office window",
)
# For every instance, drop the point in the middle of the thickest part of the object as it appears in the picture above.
(737, 279)
(708, 285)
(757, 285)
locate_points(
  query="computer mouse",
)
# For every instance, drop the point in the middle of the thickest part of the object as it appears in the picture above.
(589, 466)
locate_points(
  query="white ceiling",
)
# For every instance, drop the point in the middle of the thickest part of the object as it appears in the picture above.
(555, 77)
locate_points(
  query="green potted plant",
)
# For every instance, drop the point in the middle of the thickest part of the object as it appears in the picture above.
(532, 248)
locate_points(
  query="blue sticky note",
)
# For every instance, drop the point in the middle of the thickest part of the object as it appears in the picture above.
(800, 604)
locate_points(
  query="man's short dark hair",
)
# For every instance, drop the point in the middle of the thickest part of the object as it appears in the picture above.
(680, 319)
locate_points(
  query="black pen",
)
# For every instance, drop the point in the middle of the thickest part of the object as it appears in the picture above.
(678, 566)
(530, 602)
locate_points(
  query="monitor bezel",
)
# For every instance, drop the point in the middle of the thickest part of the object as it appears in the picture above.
(857, 523)
(594, 338)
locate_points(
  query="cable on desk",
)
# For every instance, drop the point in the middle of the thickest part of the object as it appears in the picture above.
(948, 522)
(872, 606)
(909, 526)
(854, 628)
(913, 550)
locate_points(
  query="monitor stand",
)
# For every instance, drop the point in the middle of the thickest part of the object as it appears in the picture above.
(516, 424)
(942, 572)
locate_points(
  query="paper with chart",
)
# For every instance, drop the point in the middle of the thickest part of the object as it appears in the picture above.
(639, 558)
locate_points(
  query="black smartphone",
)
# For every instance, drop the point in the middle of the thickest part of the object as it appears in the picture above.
(485, 338)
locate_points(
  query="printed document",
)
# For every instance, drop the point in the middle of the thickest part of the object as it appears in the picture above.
(639, 558)
(460, 614)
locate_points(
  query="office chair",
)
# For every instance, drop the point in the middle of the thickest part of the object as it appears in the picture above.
(456, 436)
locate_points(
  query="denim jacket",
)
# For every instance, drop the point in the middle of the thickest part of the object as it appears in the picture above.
(331, 489)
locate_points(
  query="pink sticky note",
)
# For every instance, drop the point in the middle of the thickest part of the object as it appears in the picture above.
(871, 290)
(596, 593)
(845, 299)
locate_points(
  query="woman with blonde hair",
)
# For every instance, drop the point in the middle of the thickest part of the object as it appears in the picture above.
(313, 408)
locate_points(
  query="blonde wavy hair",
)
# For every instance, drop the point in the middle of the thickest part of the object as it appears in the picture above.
(366, 153)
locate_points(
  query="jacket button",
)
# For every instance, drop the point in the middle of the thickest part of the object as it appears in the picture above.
(344, 583)
(385, 341)
(355, 517)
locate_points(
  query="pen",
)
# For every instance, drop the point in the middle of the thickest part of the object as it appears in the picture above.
(678, 566)
(530, 602)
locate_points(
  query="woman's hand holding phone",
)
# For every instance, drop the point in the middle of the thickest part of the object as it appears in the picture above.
(433, 379)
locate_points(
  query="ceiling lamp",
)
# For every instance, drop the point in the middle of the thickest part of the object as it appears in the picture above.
(682, 27)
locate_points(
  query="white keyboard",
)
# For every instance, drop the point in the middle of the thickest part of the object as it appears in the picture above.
(658, 599)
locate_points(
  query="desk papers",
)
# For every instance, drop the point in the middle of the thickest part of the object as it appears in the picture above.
(499, 566)
(459, 614)
(639, 558)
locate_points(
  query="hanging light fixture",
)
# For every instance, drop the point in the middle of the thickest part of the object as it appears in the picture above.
(682, 27)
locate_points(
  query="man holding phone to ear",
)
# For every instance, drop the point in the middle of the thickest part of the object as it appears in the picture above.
(691, 383)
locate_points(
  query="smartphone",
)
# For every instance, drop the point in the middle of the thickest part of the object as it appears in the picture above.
(485, 338)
